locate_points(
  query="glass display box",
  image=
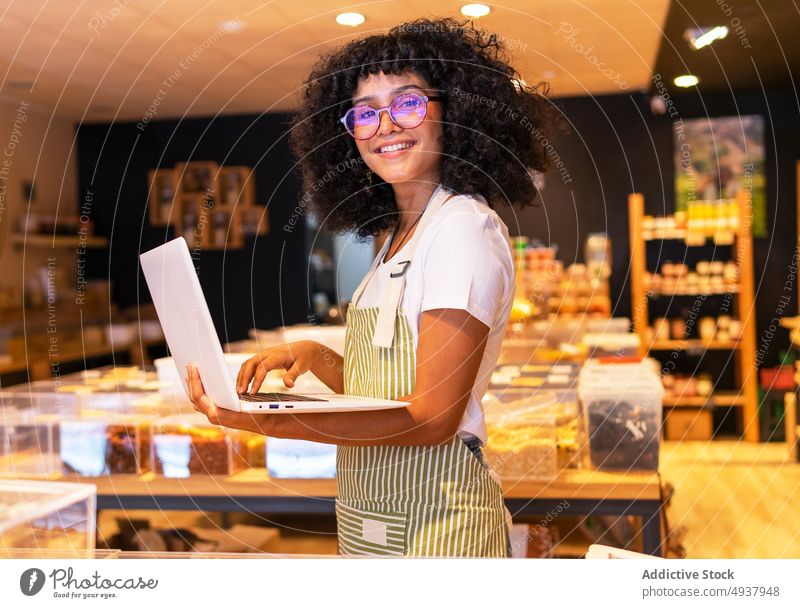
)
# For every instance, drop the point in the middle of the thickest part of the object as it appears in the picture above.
(47, 515)
(187, 444)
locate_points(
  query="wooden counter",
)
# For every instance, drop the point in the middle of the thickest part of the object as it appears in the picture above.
(580, 492)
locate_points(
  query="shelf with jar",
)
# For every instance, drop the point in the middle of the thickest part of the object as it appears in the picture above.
(713, 333)
(547, 289)
(717, 220)
(726, 222)
(212, 207)
(707, 277)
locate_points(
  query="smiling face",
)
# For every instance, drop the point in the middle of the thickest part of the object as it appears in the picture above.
(394, 153)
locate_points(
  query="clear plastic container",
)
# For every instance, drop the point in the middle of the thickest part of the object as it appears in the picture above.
(295, 459)
(612, 344)
(47, 515)
(187, 444)
(44, 397)
(522, 438)
(563, 405)
(615, 325)
(105, 443)
(76, 553)
(119, 389)
(623, 413)
(256, 450)
(29, 444)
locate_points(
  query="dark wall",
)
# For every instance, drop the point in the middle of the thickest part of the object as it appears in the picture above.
(615, 145)
(264, 284)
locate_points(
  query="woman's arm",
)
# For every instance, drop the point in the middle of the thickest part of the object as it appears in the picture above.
(449, 352)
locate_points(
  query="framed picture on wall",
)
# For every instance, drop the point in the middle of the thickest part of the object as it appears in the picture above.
(717, 157)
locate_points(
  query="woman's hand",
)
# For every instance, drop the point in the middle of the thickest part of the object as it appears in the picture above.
(297, 358)
(216, 415)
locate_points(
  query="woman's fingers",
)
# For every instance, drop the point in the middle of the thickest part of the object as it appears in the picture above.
(246, 373)
(194, 383)
(254, 371)
(290, 376)
(202, 402)
(260, 375)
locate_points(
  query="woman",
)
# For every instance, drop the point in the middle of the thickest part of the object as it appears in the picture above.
(410, 134)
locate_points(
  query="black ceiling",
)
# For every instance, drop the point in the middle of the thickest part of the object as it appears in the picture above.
(762, 49)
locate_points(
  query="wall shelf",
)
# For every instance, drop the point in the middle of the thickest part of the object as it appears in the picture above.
(212, 207)
(59, 240)
(694, 344)
(745, 395)
(719, 399)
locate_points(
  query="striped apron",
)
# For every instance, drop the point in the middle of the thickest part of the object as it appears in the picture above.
(408, 500)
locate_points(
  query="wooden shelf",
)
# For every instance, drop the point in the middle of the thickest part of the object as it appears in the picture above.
(569, 484)
(212, 207)
(680, 235)
(674, 294)
(694, 345)
(746, 392)
(721, 399)
(59, 240)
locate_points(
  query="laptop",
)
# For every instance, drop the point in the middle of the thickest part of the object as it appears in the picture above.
(191, 337)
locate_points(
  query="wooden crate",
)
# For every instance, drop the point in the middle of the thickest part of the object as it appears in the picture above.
(689, 423)
(237, 187)
(198, 178)
(162, 187)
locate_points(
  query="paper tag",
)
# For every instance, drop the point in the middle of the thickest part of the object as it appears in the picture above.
(374, 531)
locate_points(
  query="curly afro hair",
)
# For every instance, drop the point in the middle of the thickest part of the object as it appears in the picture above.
(494, 126)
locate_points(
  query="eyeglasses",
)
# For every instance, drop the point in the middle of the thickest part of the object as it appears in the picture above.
(407, 111)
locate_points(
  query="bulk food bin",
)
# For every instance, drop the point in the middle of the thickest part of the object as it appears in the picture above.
(187, 444)
(47, 515)
(563, 405)
(105, 443)
(521, 438)
(623, 414)
(29, 444)
(42, 396)
(297, 459)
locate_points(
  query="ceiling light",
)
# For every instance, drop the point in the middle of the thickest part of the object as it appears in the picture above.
(686, 80)
(351, 19)
(703, 36)
(549, 74)
(232, 25)
(475, 10)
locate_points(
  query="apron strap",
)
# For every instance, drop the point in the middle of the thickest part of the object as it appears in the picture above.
(363, 284)
(384, 327)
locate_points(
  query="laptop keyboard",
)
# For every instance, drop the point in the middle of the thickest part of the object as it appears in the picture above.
(276, 397)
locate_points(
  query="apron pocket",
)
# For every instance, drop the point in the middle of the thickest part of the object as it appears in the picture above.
(363, 532)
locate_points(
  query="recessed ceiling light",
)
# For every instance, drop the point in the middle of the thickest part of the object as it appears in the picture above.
(686, 80)
(351, 19)
(475, 10)
(232, 25)
(703, 36)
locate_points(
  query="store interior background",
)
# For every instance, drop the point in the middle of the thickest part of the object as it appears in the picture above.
(615, 145)
(87, 94)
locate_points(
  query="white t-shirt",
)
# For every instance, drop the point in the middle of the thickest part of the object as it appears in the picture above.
(463, 260)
